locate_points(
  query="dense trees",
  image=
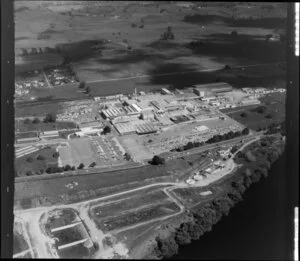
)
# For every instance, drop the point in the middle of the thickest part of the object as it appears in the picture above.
(55, 154)
(40, 157)
(234, 34)
(50, 117)
(205, 216)
(67, 167)
(214, 139)
(29, 159)
(36, 120)
(244, 114)
(87, 89)
(269, 116)
(81, 85)
(168, 34)
(106, 129)
(92, 165)
(26, 121)
(127, 156)
(156, 160)
(81, 166)
(167, 247)
(54, 169)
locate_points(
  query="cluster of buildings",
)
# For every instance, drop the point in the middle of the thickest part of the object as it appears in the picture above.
(214, 95)
(29, 51)
(61, 76)
(200, 175)
(20, 152)
(258, 91)
(23, 86)
(79, 111)
(49, 134)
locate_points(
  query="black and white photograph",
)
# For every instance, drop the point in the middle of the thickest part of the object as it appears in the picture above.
(150, 130)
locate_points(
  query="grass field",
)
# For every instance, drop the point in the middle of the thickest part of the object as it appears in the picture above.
(78, 251)
(275, 109)
(76, 36)
(68, 235)
(37, 62)
(30, 134)
(191, 196)
(36, 109)
(22, 166)
(19, 242)
(78, 151)
(47, 191)
(140, 215)
(41, 126)
(129, 203)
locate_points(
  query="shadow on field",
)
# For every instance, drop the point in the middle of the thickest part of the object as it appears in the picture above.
(161, 45)
(235, 77)
(239, 47)
(82, 50)
(180, 80)
(265, 22)
(21, 38)
(134, 56)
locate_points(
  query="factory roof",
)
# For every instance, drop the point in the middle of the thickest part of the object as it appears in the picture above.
(145, 128)
(125, 127)
(216, 85)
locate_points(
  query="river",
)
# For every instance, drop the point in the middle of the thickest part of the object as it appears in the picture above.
(254, 228)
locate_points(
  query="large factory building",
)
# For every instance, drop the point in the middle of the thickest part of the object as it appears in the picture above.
(205, 90)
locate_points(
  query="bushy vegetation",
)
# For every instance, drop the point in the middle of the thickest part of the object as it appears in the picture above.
(156, 160)
(206, 215)
(216, 138)
(168, 35)
(106, 129)
(50, 118)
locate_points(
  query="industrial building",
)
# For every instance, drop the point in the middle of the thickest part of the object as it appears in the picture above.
(112, 113)
(125, 128)
(165, 91)
(49, 134)
(29, 139)
(147, 114)
(145, 128)
(25, 151)
(204, 90)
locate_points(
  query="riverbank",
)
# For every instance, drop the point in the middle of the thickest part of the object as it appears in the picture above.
(206, 215)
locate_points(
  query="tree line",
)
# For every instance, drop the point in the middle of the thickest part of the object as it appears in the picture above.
(214, 139)
(208, 214)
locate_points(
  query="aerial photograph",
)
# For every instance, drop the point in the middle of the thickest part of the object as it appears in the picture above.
(140, 125)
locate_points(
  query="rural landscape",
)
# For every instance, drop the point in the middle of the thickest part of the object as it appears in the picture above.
(139, 125)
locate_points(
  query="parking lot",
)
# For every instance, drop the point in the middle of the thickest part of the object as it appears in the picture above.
(108, 150)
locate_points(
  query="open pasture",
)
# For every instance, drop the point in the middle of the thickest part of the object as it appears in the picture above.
(26, 167)
(140, 199)
(108, 56)
(141, 215)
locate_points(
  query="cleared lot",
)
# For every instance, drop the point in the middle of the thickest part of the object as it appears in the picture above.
(134, 202)
(78, 151)
(142, 215)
